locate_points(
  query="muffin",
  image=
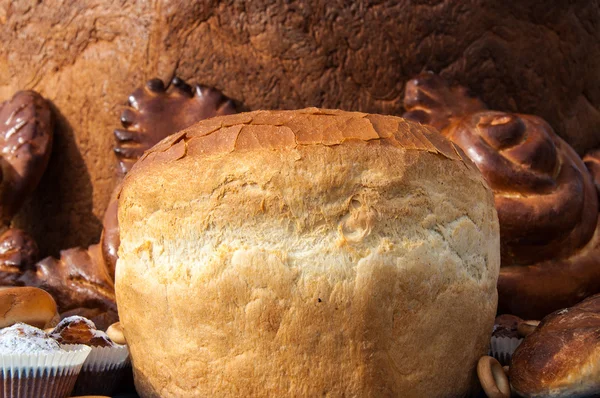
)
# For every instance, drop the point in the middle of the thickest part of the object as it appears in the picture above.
(505, 337)
(104, 367)
(35, 365)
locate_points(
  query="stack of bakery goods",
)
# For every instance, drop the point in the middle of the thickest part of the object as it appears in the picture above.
(275, 237)
(40, 358)
(305, 253)
(33, 364)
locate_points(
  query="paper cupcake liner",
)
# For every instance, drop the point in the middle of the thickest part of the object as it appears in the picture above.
(102, 371)
(44, 375)
(502, 348)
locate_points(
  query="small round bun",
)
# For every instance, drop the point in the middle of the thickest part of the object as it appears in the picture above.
(115, 333)
(29, 305)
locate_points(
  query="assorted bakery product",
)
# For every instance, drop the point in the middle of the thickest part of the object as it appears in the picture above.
(561, 358)
(26, 131)
(28, 305)
(18, 253)
(79, 282)
(32, 364)
(545, 196)
(306, 252)
(155, 111)
(492, 378)
(549, 225)
(106, 365)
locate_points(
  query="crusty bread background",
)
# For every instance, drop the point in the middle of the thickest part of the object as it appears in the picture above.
(87, 57)
(306, 253)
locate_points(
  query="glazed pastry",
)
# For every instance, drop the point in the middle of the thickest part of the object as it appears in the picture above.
(26, 130)
(545, 197)
(18, 253)
(430, 100)
(77, 280)
(109, 240)
(592, 162)
(561, 358)
(155, 111)
(107, 363)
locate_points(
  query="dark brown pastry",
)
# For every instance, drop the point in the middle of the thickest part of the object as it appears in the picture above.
(78, 279)
(545, 197)
(546, 200)
(79, 330)
(156, 111)
(592, 162)
(18, 253)
(429, 99)
(561, 358)
(26, 129)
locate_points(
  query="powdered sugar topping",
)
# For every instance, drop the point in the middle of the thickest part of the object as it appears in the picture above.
(24, 339)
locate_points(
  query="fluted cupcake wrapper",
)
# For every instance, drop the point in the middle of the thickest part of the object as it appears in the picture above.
(44, 375)
(102, 370)
(502, 348)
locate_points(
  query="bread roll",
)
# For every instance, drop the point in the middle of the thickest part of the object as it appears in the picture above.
(561, 358)
(28, 305)
(306, 253)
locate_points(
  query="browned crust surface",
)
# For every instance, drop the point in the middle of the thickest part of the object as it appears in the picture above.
(561, 358)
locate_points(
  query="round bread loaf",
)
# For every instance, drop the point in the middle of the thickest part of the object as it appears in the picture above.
(306, 253)
(29, 305)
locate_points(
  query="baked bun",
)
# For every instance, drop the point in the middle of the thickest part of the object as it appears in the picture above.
(561, 358)
(28, 305)
(546, 200)
(306, 253)
(547, 206)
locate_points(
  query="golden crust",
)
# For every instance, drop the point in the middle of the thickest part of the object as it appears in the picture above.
(29, 305)
(561, 357)
(303, 253)
(290, 129)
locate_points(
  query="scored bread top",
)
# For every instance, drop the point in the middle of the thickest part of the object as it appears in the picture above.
(290, 129)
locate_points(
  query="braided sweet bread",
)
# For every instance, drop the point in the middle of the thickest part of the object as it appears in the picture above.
(545, 197)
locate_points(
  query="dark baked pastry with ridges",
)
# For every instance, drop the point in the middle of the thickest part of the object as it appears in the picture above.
(26, 130)
(78, 281)
(155, 111)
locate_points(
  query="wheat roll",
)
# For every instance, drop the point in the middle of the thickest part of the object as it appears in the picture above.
(29, 305)
(306, 253)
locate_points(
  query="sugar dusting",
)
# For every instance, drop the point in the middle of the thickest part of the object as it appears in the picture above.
(24, 339)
